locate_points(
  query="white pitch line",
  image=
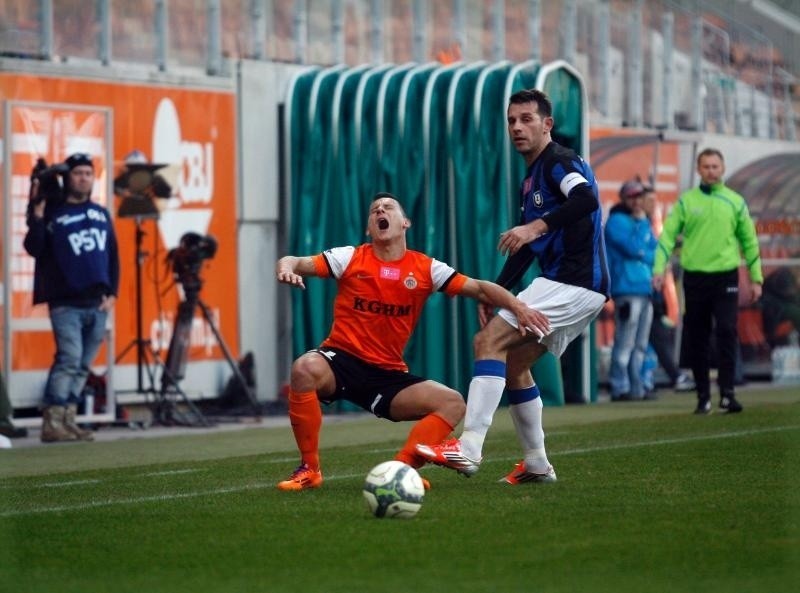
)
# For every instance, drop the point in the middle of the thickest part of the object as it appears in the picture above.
(262, 485)
(171, 472)
(71, 483)
(705, 437)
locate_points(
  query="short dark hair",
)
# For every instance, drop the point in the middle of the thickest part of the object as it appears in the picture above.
(710, 152)
(386, 194)
(543, 105)
(79, 159)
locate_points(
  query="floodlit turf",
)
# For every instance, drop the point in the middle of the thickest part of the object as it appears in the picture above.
(649, 499)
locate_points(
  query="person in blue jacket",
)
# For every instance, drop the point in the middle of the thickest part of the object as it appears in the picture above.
(77, 274)
(630, 245)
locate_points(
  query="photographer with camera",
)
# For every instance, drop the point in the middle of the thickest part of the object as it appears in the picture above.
(77, 275)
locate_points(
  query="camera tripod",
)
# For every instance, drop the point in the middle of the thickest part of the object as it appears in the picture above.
(146, 358)
(166, 409)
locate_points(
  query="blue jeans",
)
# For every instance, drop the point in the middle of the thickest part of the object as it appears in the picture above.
(79, 332)
(633, 316)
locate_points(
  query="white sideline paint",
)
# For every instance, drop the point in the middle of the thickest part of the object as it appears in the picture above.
(262, 485)
(171, 472)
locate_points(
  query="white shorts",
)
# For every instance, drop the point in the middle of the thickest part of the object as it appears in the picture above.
(570, 310)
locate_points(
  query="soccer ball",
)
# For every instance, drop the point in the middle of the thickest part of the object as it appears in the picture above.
(393, 489)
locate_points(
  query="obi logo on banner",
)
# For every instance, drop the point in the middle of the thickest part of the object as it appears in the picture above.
(194, 163)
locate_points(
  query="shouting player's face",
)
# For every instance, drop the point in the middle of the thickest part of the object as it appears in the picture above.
(386, 220)
(529, 131)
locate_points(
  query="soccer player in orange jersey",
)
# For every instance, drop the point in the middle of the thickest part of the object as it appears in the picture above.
(383, 286)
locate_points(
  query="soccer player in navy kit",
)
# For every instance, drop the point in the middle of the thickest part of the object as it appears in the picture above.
(77, 275)
(560, 227)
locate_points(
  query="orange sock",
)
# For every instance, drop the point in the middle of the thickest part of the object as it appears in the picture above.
(306, 418)
(432, 429)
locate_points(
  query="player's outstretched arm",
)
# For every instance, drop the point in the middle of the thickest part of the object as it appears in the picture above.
(291, 269)
(494, 294)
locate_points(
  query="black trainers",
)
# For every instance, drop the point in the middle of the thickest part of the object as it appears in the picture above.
(13, 432)
(729, 404)
(703, 406)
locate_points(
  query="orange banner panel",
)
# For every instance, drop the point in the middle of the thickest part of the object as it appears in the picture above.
(192, 133)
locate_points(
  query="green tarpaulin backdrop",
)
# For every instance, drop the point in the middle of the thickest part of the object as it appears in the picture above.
(435, 136)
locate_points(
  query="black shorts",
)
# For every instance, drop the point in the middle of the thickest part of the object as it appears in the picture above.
(368, 386)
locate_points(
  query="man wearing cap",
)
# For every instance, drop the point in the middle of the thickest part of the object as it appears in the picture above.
(630, 245)
(77, 275)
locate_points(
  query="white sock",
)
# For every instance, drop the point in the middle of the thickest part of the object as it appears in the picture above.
(483, 398)
(527, 419)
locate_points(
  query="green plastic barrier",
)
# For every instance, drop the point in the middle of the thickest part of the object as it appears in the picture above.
(343, 179)
(464, 208)
(438, 229)
(424, 353)
(366, 129)
(305, 329)
(386, 116)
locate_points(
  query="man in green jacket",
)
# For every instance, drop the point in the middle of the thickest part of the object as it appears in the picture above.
(717, 232)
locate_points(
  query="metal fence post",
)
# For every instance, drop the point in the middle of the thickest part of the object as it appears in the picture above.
(420, 9)
(460, 27)
(498, 31)
(300, 30)
(634, 61)
(535, 28)
(603, 58)
(162, 34)
(376, 32)
(773, 128)
(257, 29)
(569, 16)
(788, 106)
(337, 32)
(667, 31)
(46, 36)
(103, 16)
(698, 94)
(214, 30)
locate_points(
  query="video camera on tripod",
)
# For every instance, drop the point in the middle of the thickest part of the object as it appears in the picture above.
(187, 258)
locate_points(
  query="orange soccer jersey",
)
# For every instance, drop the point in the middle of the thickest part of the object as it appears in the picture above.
(379, 303)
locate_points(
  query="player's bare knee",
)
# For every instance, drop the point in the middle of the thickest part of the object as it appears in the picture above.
(481, 344)
(306, 372)
(452, 408)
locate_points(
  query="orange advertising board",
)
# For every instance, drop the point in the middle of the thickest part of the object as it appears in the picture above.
(192, 133)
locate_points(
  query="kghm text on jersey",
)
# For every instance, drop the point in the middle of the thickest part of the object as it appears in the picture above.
(380, 308)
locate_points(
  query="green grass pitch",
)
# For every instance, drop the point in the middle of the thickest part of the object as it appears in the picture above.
(649, 499)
